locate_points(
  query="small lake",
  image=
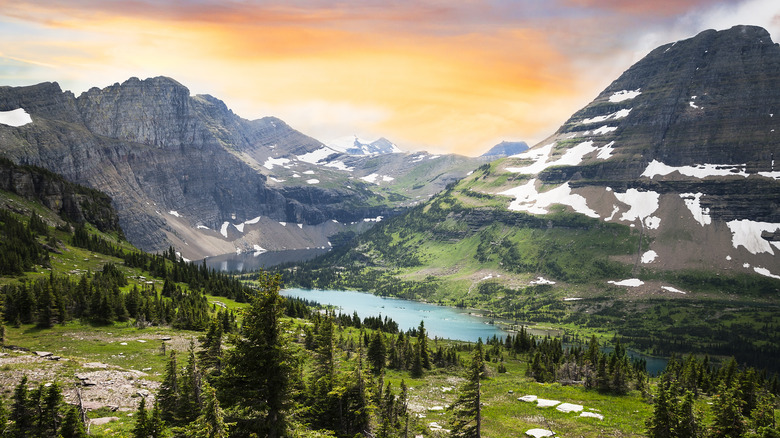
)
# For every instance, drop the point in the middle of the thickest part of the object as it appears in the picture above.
(440, 321)
(252, 261)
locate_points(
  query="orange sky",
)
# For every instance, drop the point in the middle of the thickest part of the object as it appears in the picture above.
(432, 74)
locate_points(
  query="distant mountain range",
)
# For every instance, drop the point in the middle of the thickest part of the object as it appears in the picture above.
(506, 148)
(354, 145)
(186, 171)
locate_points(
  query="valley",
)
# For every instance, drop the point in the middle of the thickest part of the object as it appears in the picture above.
(648, 221)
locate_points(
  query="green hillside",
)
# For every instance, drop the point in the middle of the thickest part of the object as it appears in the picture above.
(464, 248)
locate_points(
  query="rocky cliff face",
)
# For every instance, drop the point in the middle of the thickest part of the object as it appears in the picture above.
(171, 162)
(72, 202)
(681, 147)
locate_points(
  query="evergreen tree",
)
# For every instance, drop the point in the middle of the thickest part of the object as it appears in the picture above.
(3, 418)
(141, 429)
(377, 353)
(169, 395)
(155, 424)
(255, 383)
(467, 409)
(72, 426)
(21, 414)
(50, 416)
(422, 341)
(211, 421)
(191, 398)
(687, 423)
(417, 363)
(727, 409)
(664, 420)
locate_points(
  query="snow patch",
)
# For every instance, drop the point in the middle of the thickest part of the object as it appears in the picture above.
(615, 210)
(202, 227)
(604, 130)
(300, 226)
(671, 289)
(375, 219)
(528, 199)
(259, 250)
(572, 299)
(748, 234)
(253, 221)
(697, 171)
(239, 227)
(649, 256)
(765, 272)
(598, 119)
(339, 165)
(386, 178)
(174, 213)
(316, 156)
(624, 95)
(284, 224)
(312, 181)
(642, 204)
(271, 162)
(692, 201)
(605, 151)
(223, 229)
(631, 282)
(370, 178)
(16, 118)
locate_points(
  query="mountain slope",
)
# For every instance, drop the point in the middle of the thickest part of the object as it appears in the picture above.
(185, 171)
(630, 208)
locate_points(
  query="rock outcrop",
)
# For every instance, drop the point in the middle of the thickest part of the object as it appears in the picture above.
(170, 161)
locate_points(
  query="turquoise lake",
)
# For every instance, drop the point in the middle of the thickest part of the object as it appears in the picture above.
(440, 321)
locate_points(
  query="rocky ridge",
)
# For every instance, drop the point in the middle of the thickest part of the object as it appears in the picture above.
(186, 171)
(681, 146)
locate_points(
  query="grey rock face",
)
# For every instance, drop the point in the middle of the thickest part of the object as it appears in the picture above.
(154, 148)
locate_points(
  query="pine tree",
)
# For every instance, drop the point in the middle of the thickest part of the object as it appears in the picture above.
(141, 429)
(50, 416)
(191, 398)
(255, 382)
(156, 425)
(727, 409)
(72, 426)
(211, 421)
(21, 414)
(3, 418)
(467, 409)
(422, 341)
(169, 395)
(687, 423)
(377, 353)
(664, 420)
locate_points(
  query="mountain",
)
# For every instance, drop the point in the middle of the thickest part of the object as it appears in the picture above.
(356, 146)
(506, 148)
(186, 171)
(652, 212)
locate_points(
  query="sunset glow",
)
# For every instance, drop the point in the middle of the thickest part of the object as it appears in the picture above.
(436, 75)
